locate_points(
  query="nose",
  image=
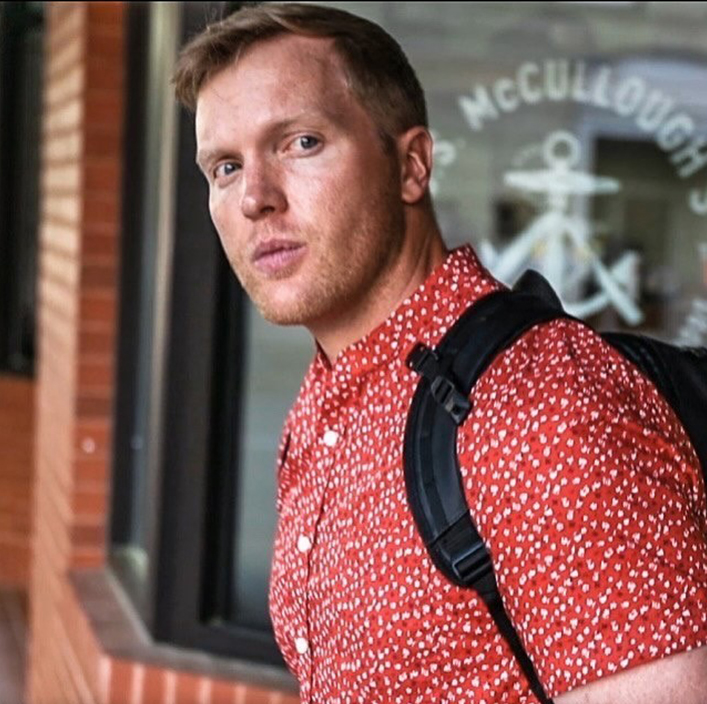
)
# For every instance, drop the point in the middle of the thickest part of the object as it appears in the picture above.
(262, 192)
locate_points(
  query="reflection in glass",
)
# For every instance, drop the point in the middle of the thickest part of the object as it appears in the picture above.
(276, 360)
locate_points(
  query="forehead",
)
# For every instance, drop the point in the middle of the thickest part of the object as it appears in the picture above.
(276, 79)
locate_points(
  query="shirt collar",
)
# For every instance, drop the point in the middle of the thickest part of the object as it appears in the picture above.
(422, 317)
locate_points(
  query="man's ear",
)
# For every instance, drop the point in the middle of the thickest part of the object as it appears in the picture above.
(415, 154)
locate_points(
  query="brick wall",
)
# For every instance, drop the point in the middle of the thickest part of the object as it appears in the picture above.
(79, 229)
(16, 426)
(79, 244)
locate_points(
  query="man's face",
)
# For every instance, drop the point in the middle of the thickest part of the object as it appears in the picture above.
(303, 194)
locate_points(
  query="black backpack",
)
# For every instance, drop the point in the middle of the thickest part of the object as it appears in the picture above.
(441, 404)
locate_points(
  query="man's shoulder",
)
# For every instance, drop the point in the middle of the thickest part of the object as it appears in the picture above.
(561, 402)
(563, 357)
(563, 376)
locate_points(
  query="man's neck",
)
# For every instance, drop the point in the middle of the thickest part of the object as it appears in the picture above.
(409, 273)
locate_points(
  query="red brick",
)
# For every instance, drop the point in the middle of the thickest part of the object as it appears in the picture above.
(104, 74)
(87, 558)
(121, 682)
(16, 472)
(101, 142)
(78, 313)
(287, 699)
(104, 15)
(255, 695)
(223, 692)
(97, 229)
(88, 503)
(89, 470)
(14, 563)
(106, 45)
(102, 175)
(101, 207)
(95, 434)
(96, 374)
(187, 689)
(153, 687)
(96, 343)
(99, 276)
(88, 535)
(93, 406)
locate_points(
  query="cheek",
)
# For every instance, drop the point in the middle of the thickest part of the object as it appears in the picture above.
(328, 186)
(329, 203)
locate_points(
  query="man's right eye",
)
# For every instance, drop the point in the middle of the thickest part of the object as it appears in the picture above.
(227, 168)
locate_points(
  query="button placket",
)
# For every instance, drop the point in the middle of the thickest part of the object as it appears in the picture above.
(330, 438)
(330, 433)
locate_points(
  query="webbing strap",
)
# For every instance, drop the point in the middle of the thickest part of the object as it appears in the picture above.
(488, 591)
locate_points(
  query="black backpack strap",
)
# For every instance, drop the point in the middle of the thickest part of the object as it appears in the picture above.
(509, 633)
(439, 406)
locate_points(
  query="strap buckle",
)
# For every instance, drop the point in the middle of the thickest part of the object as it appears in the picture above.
(423, 360)
(455, 403)
(426, 361)
(473, 564)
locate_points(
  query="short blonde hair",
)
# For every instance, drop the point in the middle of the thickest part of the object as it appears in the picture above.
(378, 72)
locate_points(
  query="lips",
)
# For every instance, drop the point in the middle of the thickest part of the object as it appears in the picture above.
(278, 257)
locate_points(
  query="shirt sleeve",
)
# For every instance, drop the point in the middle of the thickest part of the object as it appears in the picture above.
(592, 502)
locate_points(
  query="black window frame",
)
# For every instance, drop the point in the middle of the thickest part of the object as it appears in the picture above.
(20, 128)
(185, 598)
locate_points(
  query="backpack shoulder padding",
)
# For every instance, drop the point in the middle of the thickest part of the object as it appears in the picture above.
(680, 374)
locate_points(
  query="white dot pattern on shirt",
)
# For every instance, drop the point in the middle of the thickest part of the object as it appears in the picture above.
(577, 474)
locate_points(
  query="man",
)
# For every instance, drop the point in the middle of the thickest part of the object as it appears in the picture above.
(312, 133)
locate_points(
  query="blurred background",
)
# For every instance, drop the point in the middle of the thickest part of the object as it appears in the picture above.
(141, 397)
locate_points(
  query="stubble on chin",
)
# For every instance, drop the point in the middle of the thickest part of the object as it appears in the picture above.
(300, 306)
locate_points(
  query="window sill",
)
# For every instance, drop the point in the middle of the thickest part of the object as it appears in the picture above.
(122, 635)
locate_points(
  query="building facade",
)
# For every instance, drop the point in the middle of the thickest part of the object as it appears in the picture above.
(144, 392)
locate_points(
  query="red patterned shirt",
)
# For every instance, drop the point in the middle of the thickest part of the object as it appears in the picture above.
(578, 476)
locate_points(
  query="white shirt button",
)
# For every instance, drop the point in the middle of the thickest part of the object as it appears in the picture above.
(331, 437)
(304, 544)
(301, 645)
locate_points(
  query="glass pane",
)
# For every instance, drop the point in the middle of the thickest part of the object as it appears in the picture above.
(149, 318)
(26, 211)
(572, 137)
(276, 360)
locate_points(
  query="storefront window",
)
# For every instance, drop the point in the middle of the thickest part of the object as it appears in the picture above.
(570, 137)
